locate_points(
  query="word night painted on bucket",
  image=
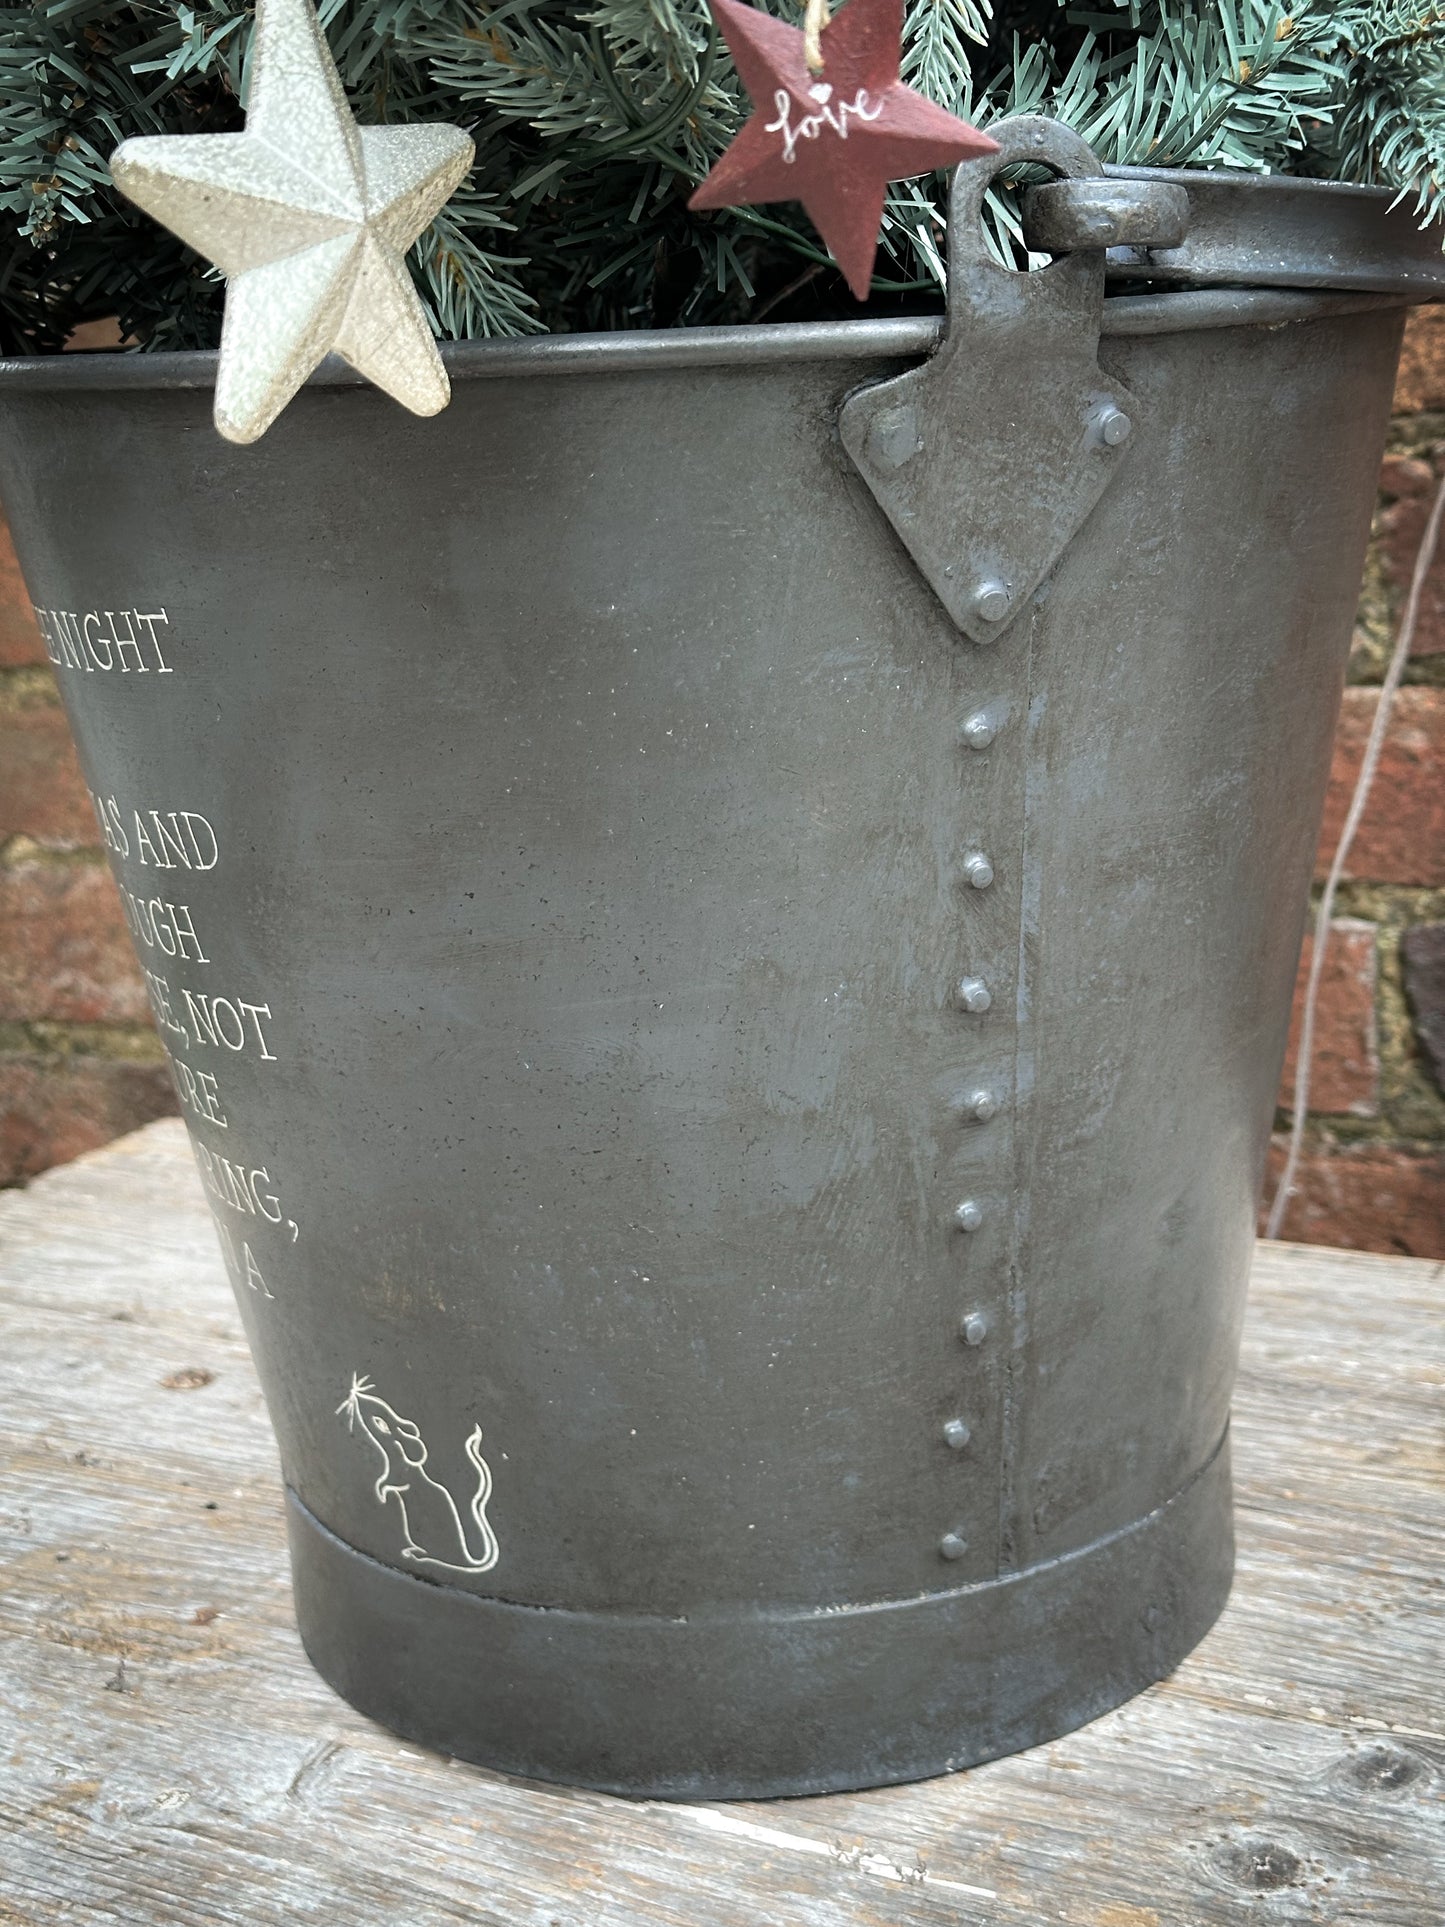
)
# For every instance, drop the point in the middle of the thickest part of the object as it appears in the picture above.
(108, 642)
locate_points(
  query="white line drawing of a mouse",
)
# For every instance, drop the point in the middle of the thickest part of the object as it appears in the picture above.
(431, 1524)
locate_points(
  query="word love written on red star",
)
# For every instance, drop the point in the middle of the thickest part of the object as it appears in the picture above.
(832, 140)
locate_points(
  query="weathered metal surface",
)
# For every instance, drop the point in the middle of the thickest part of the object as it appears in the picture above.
(171, 1759)
(567, 812)
(1258, 230)
(1189, 310)
(852, 1695)
(988, 458)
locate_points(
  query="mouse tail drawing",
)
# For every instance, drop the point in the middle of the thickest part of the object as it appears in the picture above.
(485, 1556)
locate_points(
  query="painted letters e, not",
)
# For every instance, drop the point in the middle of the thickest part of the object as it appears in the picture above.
(220, 1022)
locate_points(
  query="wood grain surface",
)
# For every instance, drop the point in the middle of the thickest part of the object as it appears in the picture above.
(168, 1756)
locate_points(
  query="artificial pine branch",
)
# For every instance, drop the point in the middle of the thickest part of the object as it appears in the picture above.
(594, 122)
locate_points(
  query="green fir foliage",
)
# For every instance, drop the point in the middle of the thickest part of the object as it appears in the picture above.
(594, 122)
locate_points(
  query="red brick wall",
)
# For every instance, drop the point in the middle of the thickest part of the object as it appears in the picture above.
(80, 1063)
(1373, 1173)
(79, 1060)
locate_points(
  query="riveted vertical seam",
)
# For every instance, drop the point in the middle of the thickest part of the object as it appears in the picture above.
(1021, 1148)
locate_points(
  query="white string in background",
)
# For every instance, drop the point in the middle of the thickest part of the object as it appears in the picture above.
(1424, 561)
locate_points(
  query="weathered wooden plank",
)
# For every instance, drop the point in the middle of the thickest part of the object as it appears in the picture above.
(169, 1757)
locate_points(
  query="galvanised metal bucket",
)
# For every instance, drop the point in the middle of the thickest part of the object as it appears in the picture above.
(734, 1112)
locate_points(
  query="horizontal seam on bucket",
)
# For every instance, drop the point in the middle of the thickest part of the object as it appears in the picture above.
(797, 1614)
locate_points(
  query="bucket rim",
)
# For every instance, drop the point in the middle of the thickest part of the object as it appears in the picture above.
(908, 338)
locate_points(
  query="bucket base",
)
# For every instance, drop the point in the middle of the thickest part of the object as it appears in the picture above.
(750, 1706)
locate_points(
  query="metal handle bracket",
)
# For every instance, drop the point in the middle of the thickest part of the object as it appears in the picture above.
(1064, 215)
(988, 458)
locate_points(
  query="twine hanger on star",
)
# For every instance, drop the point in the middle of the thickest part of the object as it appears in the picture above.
(816, 16)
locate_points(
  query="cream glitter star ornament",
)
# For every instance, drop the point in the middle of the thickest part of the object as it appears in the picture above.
(309, 218)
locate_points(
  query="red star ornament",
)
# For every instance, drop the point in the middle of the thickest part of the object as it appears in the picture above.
(832, 140)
